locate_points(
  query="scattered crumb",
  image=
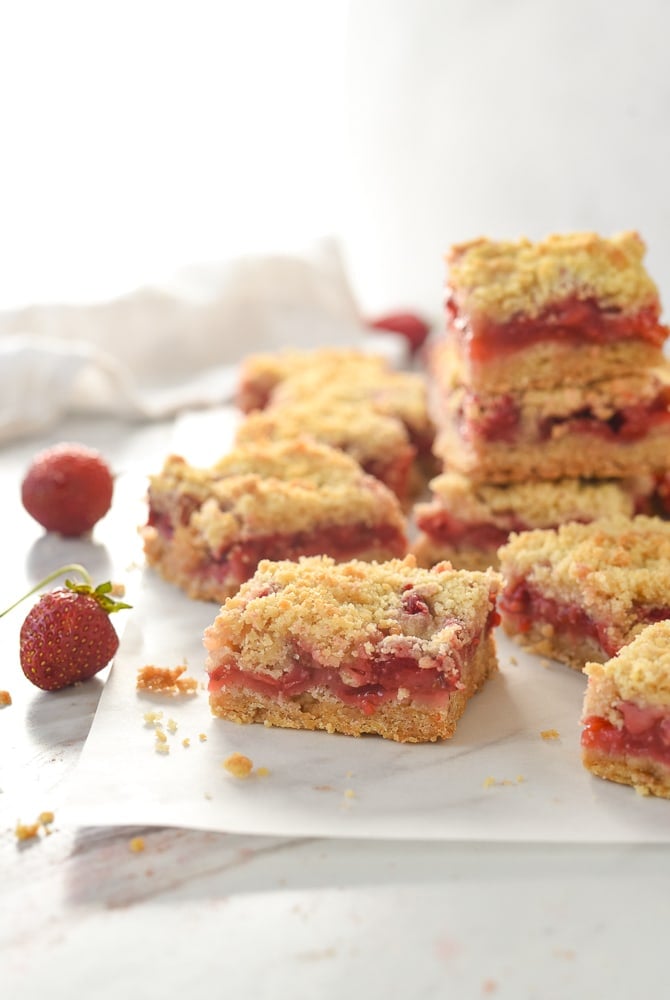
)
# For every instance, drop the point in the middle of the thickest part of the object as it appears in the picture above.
(489, 986)
(238, 765)
(171, 726)
(186, 742)
(520, 778)
(160, 736)
(118, 590)
(202, 737)
(152, 718)
(29, 831)
(165, 680)
(545, 664)
(550, 734)
(349, 793)
(489, 782)
(262, 772)
(26, 831)
(137, 844)
(5, 699)
(162, 747)
(513, 661)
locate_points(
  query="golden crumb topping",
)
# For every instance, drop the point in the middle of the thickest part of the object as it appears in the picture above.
(269, 487)
(238, 765)
(261, 373)
(364, 434)
(640, 672)
(501, 280)
(536, 503)
(165, 680)
(335, 613)
(611, 566)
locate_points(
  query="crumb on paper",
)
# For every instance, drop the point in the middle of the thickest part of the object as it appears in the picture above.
(137, 845)
(520, 778)
(202, 737)
(323, 788)
(5, 699)
(550, 734)
(238, 765)
(30, 831)
(513, 662)
(160, 736)
(262, 772)
(489, 782)
(489, 986)
(165, 680)
(186, 742)
(161, 747)
(171, 726)
(118, 590)
(545, 664)
(349, 793)
(152, 718)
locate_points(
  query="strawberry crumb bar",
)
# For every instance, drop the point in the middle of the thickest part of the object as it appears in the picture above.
(385, 648)
(379, 443)
(208, 528)
(626, 716)
(540, 315)
(466, 522)
(609, 428)
(583, 591)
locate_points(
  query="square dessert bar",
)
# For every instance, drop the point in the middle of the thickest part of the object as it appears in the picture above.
(581, 592)
(341, 376)
(379, 443)
(208, 528)
(466, 522)
(353, 648)
(611, 428)
(626, 715)
(541, 315)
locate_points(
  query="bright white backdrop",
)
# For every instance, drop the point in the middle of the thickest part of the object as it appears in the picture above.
(140, 136)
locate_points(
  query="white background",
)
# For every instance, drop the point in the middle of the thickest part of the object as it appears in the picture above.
(137, 137)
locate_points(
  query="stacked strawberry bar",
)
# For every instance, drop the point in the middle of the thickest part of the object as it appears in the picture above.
(385, 648)
(208, 528)
(626, 715)
(347, 399)
(551, 371)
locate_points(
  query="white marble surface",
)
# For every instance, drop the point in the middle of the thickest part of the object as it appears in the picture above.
(279, 917)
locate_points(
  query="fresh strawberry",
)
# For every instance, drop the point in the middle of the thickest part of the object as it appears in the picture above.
(412, 327)
(67, 636)
(68, 488)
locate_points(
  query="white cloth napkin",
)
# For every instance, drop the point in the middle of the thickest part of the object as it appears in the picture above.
(162, 349)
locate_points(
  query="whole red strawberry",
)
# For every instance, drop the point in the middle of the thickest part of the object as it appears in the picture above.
(67, 636)
(68, 488)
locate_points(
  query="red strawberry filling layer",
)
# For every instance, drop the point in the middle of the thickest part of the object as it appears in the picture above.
(645, 733)
(522, 606)
(572, 322)
(343, 542)
(443, 527)
(500, 419)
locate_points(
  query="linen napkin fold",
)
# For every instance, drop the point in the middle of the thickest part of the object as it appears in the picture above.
(166, 348)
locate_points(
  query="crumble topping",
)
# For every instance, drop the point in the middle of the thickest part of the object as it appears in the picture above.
(338, 612)
(265, 487)
(640, 672)
(613, 564)
(165, 680)
(505, 279)
(541, 502)
(360, 431)
(238, 765)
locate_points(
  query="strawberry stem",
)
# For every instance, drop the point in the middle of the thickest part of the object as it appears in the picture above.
(72, 568)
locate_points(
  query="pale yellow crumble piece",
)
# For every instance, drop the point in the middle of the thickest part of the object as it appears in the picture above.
(163, 748)
(26, 831)
(186, 742)
(136, 844)
(160, 736)
(5, 699)
(520, 779)
(550, 734)
(202, 737)
(349, 793)
(45, 818)
(165, 680)
(489, 782)
(152, 718)
(118, 590)
(262, 772)
(238, 765)
(171, 726)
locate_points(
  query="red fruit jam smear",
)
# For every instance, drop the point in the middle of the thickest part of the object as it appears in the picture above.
(645, 732)
(522, 606)
(443, 527)
(572, 321)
